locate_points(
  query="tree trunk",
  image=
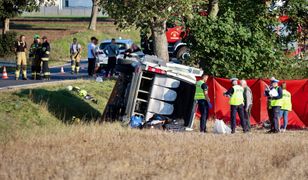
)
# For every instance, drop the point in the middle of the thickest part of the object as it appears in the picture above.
(160, 40)
(92, 25)
(6, 25)
(213, 8)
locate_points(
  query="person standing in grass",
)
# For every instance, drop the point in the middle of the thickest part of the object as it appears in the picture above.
(203, 100)
(247, 103)
(274, 93)
(236, 94)
(112, 51)
(75, 54)
(286, 106)
(92, 56)
(21, 59)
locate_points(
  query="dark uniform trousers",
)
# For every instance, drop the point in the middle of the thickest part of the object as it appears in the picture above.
(45, 59)
(275, 118)
(204, 111)
(240, 110)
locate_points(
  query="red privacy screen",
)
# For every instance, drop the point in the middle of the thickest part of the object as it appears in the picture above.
(298, 117)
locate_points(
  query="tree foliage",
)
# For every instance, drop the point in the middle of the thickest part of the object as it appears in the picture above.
(148, 13)
(12, 8)
(240, 41)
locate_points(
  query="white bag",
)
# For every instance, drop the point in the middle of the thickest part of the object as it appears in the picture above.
(273, 93)
(221, 128)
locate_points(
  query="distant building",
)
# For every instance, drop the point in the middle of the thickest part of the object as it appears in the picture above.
(69, 8)
(74, 3)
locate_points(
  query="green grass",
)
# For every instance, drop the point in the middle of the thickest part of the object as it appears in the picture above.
(60, 48)
(50, 106)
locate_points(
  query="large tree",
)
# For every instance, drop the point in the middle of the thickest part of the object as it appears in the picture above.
(94, 13)
(239, 38)
(150, 13)
(12, 8)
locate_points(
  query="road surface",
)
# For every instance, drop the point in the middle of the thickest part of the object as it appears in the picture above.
(56, 75)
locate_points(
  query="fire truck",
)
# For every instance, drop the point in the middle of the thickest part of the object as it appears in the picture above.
(175, 33)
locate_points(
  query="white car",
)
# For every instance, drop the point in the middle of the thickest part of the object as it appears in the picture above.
(123, 45)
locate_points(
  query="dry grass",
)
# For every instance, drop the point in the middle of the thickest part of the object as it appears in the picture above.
(114, 152)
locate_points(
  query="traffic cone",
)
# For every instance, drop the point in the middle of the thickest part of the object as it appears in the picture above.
(4, 73)
(62, 70)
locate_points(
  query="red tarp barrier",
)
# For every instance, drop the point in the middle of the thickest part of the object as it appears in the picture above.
(298, 117)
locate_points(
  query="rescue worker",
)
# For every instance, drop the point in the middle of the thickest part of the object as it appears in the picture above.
(34, 57)
(203, 100)
(247, 103)
(237, 104)
(75, 54)
(274, 93)
(112, 51)
(45, 52)
(21, 59)
(286, 106)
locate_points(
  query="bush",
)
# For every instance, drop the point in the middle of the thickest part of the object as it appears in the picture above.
(7, 42)
(240, 42)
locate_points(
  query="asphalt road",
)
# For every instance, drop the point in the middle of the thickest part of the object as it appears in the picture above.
(56, 75)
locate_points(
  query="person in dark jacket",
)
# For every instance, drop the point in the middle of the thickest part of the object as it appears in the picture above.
(236, 94)
(112, 51)
(274, 94)
(34, 56)
(45, 52)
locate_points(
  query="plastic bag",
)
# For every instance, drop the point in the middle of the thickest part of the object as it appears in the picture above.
(221, 128)
(136, 121)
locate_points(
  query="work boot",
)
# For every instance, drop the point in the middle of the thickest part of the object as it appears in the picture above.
(24, 78)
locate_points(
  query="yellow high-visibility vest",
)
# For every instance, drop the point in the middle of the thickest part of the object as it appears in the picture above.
(286, 100)
(276, 102)
(237, 97)
(199, 91)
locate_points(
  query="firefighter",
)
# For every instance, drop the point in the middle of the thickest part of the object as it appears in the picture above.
(34, 57)
(75, 51)
(203, 100)
(274, 93)
(45, 51)
(21, 59)
(237, 104)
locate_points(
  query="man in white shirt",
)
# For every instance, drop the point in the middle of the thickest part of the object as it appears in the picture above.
(75, 52)
(92, 56)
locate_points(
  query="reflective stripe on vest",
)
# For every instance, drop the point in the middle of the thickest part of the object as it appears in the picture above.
(276, 102)
(237, 97)
(286, 100)
(199, 91)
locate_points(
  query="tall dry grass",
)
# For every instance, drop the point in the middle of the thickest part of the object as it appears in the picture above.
(113, 152)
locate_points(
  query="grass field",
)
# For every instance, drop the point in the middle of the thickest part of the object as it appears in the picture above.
(50, 106)
(38, 143)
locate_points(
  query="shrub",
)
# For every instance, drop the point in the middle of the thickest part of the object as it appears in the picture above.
(7, 44)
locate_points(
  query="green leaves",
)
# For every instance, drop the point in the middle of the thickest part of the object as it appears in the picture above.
(238, 42)
(12, 8)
